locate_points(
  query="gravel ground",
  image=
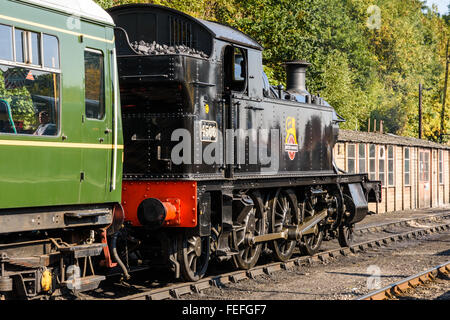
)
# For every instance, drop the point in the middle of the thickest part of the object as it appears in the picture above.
(343, 278)
(435, 290)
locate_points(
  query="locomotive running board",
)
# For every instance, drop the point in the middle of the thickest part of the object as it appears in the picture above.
(84, 250)
(28, 220)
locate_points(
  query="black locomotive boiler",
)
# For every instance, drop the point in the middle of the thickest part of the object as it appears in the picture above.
(217, 161)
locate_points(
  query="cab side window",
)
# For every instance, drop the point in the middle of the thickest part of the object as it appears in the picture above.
(94, 84)
(235, 68)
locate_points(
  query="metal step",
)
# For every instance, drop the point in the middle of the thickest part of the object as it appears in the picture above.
(83, 284)
(84, 250)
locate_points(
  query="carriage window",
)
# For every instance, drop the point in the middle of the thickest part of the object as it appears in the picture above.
(20, 45)
(362, 158)
(235, 69)
(407, 167)
(51, 51)
(35, 46)
(29, 103)
(94, 84)
(351, 158)
(28, 47)
(6, 44)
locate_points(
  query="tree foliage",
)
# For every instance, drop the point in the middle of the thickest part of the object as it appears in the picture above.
(19, 99)
(366, 61)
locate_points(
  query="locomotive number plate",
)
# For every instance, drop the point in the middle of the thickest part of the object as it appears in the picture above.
(208, 131)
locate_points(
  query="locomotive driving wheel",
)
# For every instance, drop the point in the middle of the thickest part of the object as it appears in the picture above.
(193, 256)
(345, 231)
(252, 225)
(311, 243)
(345, 235)
(283, 213)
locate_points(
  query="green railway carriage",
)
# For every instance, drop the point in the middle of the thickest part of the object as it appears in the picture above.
(60, 144)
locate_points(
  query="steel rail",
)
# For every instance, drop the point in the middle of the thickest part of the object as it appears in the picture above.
(404, 222)
(401, 286)
(177, 290)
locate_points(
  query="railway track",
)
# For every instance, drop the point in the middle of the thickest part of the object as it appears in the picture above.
(406, 222)
(177, 290)
(398, 288)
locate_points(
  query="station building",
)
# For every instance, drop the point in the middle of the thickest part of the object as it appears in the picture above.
(414, 173)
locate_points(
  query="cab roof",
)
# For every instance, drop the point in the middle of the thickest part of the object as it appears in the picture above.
(230, 34)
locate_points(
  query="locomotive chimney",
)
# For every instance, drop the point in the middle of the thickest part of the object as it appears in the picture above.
(296, 76)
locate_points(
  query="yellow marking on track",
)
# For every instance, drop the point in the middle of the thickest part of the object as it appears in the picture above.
(18, 143)
(39, 25)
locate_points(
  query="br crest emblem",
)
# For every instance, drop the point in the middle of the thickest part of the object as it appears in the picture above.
(291, 144)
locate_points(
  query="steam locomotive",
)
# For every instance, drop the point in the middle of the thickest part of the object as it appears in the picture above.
(217, 162)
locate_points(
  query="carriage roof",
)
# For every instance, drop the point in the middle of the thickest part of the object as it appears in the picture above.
(80, 8)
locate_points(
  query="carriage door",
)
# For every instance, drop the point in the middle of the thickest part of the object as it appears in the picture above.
(424, 179)
(97, 134)
(236, 109)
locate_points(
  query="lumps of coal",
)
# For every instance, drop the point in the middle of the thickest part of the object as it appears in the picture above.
(154, 48)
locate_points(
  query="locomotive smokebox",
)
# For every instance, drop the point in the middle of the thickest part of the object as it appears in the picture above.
(296, 76)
